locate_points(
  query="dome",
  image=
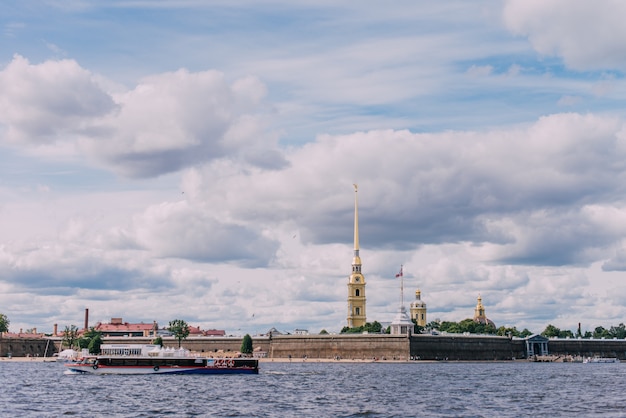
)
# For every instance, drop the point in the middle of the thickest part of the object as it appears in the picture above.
(484, 321)
(418, 303)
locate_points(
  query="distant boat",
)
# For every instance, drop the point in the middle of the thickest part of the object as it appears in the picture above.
(153, 359)
(601, 360)
(65, 356)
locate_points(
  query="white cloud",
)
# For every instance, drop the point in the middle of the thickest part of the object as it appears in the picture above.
(178, 230)
(587, 35)
(495, 212)
(175, 120)
(47, 102)
(167, 122)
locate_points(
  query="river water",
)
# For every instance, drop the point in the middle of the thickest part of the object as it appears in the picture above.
(312, 389)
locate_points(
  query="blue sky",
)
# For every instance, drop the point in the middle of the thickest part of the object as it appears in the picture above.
(195, 160)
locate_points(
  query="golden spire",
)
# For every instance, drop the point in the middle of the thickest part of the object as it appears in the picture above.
(479, 312)
(356, 282)
(357, 259)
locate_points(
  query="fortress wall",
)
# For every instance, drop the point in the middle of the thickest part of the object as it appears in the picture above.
(588, 347)
(346, 346)
(353, 346)
(461, 347)
(23, 347)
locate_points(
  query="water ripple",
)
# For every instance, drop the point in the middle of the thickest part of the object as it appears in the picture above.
(33, 389)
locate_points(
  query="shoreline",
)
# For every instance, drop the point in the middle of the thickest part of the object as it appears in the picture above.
(295, 360)
(261, 360)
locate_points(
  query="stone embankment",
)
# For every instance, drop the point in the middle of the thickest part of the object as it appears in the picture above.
(367, 347)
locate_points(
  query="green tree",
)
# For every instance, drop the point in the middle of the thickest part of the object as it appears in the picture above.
(180, 329)
(370, 327)
(471, 326)
(601, 332)
(94, 344)
(433, 325)
(158, 341)
(449, 326)
(467, 325)
(618, 332)
(551, 331)
(70, 335)
(323, 332)
(525, 333)
(91, 340)
(246, 345)
(4, 323)
(354, 330)
(507, 331)
(417, 329)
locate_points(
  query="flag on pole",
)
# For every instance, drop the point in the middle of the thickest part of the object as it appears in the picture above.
(399, 274)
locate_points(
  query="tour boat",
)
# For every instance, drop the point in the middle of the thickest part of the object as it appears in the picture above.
(153, 359)
(601, 360)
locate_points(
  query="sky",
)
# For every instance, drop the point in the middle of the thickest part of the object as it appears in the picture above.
(194, 160)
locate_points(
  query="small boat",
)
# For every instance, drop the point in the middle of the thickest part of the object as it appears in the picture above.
(153, 359)
(601, 360)
(66, 356)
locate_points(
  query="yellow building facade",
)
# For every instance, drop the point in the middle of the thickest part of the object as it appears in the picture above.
(356, 282)
(418, 309)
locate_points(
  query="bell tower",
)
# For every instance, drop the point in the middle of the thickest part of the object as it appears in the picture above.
(418, 309)
(479, 311)
(356, 282)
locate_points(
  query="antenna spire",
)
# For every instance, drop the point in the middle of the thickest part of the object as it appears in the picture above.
(356, 222)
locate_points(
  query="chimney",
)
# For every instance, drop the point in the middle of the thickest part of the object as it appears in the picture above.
(55, 327)
(86, 318)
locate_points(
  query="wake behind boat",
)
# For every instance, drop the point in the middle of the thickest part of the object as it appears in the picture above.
(154, 359)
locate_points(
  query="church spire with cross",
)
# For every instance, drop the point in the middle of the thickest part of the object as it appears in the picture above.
(356, 282)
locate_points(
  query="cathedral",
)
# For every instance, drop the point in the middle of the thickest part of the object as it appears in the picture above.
(356, 291)
(479, 313)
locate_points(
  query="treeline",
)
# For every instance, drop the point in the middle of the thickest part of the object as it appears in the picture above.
(472, 327)
(91, 339)
(599, 332)
(369, 327)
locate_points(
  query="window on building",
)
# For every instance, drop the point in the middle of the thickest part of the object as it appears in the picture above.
(357, 311)
(357, 292)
